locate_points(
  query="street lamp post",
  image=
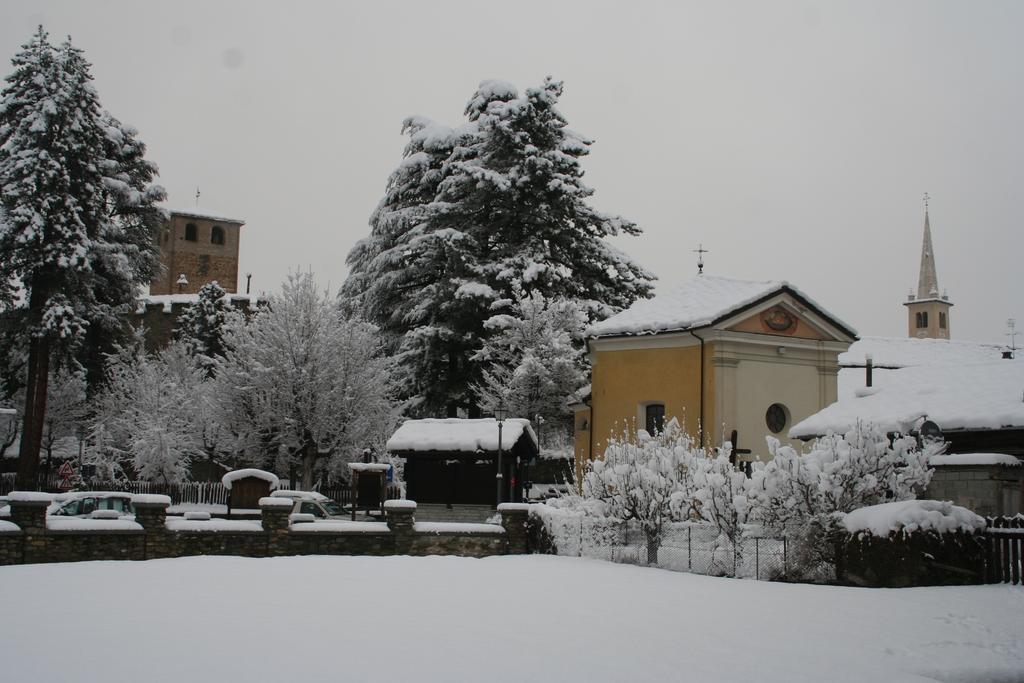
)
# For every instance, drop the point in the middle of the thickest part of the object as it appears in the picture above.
(500, 413)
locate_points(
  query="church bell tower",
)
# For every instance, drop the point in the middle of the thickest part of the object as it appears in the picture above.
(928, 312)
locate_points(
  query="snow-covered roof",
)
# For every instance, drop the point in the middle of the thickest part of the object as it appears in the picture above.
(168, 300)
(208, 214)
(455, 434)
(956, 397)
(234, 475)
(697, 303)
(902, 352)
(968, 459)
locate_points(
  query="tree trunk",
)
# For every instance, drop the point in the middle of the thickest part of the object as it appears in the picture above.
(308, 460)
(35, 413)
(653, 543)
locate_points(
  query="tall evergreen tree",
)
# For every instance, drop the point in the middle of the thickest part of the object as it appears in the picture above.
(508, 214)
(201, 326)
(65, 259)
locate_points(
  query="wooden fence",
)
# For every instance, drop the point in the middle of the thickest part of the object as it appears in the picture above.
(1005, 537)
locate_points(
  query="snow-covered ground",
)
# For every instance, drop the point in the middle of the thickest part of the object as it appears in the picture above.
(461, 619)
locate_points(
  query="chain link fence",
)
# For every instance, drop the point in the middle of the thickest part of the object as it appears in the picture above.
(684, 547)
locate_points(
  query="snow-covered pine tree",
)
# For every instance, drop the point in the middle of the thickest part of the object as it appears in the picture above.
(126, 255)
(301, 380)
(508, 210)
(534, 361)
(52, 195)
(520, 192)
(201, 326)
(65, 260)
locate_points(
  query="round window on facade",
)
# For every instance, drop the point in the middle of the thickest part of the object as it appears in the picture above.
(777, 417)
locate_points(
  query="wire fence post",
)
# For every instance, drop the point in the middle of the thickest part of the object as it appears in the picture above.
(689, 548)
(757, 558)
(785, 563)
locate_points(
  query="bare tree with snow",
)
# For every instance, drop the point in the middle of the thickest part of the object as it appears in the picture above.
(301, 380)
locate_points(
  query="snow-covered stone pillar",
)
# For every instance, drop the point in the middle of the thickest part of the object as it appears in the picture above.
(274, 513)
(151, 514)
(514, 517)
(28, 511)
(401, 516)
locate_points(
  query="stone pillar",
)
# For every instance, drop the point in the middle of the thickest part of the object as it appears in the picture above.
(151, 514)
(274, 513)
(28, 511)
(514, 517)
(401, 517)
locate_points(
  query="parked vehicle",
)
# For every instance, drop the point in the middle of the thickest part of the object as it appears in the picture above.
(312, 503)
(5, 507)
(83, 503)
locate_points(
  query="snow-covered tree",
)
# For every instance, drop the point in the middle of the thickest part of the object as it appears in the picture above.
(534, 360)
(69, 256)
(650, 479)
(473, 215)
(144, 419)
(301, 380)
(201, 326)
(65, 414)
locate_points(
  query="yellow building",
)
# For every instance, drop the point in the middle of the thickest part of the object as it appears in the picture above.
(732, 360)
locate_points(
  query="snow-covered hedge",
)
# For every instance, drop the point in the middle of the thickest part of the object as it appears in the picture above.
(912, 515)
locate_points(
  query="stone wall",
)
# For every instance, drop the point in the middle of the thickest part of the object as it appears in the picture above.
(274, 535)
(989, 490)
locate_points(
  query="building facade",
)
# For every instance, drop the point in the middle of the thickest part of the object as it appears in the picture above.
(198, 247)
(731, 360)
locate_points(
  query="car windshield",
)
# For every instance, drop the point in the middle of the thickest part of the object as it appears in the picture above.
(332, 508)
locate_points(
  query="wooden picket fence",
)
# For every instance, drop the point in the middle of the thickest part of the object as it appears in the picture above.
(1005, 537)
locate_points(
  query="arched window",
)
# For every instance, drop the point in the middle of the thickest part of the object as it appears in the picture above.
(191, 232)
(942, 320)
(922, 320)
(217, 235)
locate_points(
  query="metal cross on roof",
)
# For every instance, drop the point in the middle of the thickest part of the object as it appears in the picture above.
(700, 251)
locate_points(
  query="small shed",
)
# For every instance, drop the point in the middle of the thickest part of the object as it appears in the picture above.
(246, 487)
(455, 461)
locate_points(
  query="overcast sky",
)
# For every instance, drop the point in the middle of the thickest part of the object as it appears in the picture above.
(793, 139)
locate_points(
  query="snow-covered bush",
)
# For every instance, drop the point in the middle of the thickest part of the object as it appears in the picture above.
(807, 493)
(650, 479)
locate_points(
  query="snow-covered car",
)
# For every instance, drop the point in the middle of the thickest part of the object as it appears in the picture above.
(5, 506)
(84, 503)
(312, 503)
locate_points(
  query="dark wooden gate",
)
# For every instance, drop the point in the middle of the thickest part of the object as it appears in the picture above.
(1005, 538)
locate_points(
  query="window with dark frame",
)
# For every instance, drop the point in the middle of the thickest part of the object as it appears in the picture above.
(217, 235)
(191, 232)
(654, 418)
(942, 320)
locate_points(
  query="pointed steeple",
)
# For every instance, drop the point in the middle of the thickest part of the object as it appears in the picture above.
(928, 281)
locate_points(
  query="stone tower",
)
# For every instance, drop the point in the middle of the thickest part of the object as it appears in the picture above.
(928, 312)
(201, 246)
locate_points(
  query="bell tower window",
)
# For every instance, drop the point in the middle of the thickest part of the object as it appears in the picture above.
(217, 235)
(191, 232)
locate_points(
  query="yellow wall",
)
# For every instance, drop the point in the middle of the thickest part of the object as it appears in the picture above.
(624, 380)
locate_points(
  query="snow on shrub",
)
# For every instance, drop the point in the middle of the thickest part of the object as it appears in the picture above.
(908, 516)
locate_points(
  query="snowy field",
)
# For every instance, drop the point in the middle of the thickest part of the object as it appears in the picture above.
(536, 618)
